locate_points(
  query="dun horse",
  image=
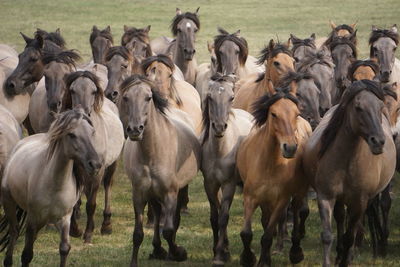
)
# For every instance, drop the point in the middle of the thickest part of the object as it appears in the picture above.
(224, 128)
(100, 42)
(38, 184)
(302, 47)
(269, 163)
(353, 133)
(278, 61)
(161, 157)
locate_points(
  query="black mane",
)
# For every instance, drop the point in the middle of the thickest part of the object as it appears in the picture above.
(103, 33)
(310, 42)
(379, 33)
(239, 41)
(262, 105)
(68, 57)
(187, 15)
(338, 28)
(118, 50)
(266, 53)
(160, 102)
(338, 117)
(316, 57)
(54, 37)
(133, 32)
(343, 41)
(358, 63)
(167, 61)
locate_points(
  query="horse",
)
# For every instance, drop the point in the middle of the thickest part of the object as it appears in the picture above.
(342, 30)
(47, 99)
(100, 42)
(278, 61)
(38, 186)
(320, 65)
(269, 163)
(83, 90)
(231, 57)
(383, 44)
(302, 47)
(307, 94)
(344, 52)
(138, 43)
(180, 94)
(184, 27)
(223, 129)
(354, 132)
(157, 169)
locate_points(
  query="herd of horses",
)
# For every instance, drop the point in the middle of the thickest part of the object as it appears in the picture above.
(304, 116)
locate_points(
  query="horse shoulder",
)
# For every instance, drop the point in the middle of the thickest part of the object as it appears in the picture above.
(8, 59)
(178, 74)
(202, 79)
(246, 92)
(160, 45)
(252, 66)
(38, 110)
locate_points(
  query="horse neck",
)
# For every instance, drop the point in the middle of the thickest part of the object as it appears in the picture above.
(155, 133)
(220, 147)
(271, 151)
(60, 168)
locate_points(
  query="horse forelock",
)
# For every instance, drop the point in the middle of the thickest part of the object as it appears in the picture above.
(118, 50)
(239, 41)
(167, 61)
(358, 63)
(103, 33)
(54, 37)
(178, 18)
(312, 58)
(265, 53)
(343, 41)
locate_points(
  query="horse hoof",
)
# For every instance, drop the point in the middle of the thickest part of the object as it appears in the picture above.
(178, 255)
(106, 229)
(218, 263)
(76, 232)
(87, 238)
(158, 254)
(226, 256)
(296, 255)
(247, 259)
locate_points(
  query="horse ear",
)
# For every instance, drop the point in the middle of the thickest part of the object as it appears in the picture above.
(58, 31)
(126, 28)
(333, 25)
(210, 47)
(197, 11)
(353, 36)
(108, 29)
(394, 28)
(374, 28)
(95, 29)
(354, 25)
(271, 45)
(270, 88)
(147, 29)
(237, 33)
(40, 40)
(312, 36)
(294, 39)
(293, 87)
(178, 11)
(26, 38)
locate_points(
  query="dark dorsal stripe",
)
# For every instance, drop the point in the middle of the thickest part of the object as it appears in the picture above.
(262, 105)
(338, 117)
(187, 15)
(239, 41)
(358, 63)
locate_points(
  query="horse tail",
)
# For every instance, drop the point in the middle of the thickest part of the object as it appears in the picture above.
(5, 227)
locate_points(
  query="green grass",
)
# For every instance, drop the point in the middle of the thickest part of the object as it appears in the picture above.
(259, 21)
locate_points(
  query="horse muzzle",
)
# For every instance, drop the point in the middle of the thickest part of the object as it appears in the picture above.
(135, 133)
(93, 167)
(376, 144)
(219, 129)
(288, 151)
(385, 76)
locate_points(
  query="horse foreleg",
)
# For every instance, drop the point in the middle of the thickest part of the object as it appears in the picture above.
(303, 214)
(63, 226)
(325, 207)
(355, 214)
(386, 203)
(371, 214)
(267, 237)
(185, 199)
(172, 219)
(138, 204)
(158, 251)
(30, 237)
(222, 248)
(107, 182)
(10, 210)
(74, 229)
(247, 257)
(296, 253)
(91, 194)
(339, 214)
(212, 189)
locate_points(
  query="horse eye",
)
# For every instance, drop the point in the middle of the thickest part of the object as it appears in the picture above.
(179, 30)
(237, 52)
(148, 98)
(277, 64)
(144, 48)
(296, 59)
(94, 92)
(71, 135)
(195, 30)
(273, 115)
(124, 66)
(33, 59)
(170, 75)
(394, 49)
(231, 99)
(358, 109)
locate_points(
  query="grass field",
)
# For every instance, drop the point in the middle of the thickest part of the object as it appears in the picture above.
(258, 21)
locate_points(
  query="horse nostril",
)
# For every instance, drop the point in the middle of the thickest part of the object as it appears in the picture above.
(11, 84)
(213, 125)
(225, 126)
(114, 94)
(141, 127)
(59, 104)
(128, 129)
(194, 51)
(185, 50)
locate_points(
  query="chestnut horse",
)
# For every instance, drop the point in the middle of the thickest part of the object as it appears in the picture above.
(278, 61)
(353, 133)
(224, 128)
(184, 27)
(269, 163)
(161, 156)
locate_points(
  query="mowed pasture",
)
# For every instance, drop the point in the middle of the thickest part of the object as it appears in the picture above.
(259, 21)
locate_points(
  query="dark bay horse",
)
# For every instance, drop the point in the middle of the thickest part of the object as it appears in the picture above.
(100, 42)
(269, 163)
(353, 133)
(184, 27)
